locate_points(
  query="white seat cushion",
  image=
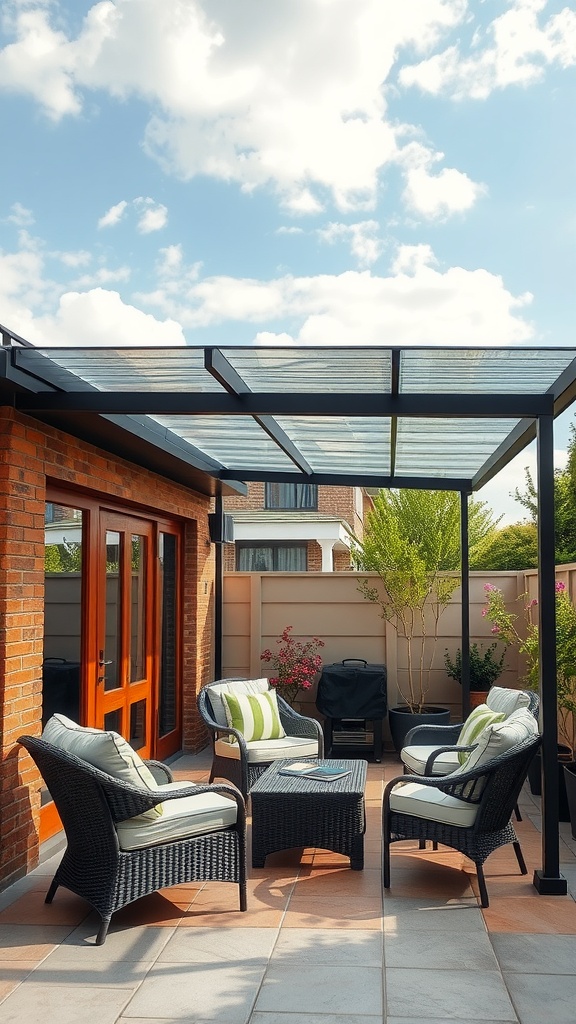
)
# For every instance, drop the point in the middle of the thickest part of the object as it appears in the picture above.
(189, 816)
(415, 759)
(502, 699)
(428, 802)
(270, 750)
(215, 691)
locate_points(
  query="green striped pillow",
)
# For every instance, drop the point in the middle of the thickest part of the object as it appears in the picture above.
(255, 715)
(477, 721)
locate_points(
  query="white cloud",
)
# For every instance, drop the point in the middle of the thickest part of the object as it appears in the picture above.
(290, 95)
(81, 258)
(285, 229)
(152, 216)
(114, 215)
(515, 50)
(103, 276)
(435, 196)
(365, 245)
(102, 318)
(20, 215)
(415, 304)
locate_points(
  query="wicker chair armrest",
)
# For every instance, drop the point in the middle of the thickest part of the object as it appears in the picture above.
(295, 724)
(426, 735)
(445, 750)
(160, 771)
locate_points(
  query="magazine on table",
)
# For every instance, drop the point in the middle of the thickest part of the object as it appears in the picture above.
(306, 770)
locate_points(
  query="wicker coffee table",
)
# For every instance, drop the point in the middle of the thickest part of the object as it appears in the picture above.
(289, 812)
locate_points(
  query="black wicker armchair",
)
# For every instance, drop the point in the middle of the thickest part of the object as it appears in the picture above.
(242, 763)
(478, 820)
(91, 803)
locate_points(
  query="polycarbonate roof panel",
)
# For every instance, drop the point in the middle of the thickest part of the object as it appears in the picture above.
(332, 445)
(127, 369)
(238, 442)
(447, 447)
(481, 371)
(309, 369)
(342, 446)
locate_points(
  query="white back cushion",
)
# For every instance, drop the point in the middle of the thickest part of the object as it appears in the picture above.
(107, 751)
(215, 691)
(501, 699)
(497, 739)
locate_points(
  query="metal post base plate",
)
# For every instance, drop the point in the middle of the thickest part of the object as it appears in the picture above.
(548, 886)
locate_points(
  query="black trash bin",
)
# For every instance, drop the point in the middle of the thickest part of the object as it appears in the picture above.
(352, 695)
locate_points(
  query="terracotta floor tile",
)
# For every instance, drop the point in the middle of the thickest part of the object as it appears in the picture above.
(339, 884)
(357, 913)
(12, 974)
(67, 908)
(543, 915)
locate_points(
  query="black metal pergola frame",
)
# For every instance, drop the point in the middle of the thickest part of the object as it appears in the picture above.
(118, 419)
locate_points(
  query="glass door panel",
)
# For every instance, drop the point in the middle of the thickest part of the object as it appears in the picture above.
(126, 606)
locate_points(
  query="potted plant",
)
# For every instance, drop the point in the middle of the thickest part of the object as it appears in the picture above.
(485, 669)
(295, 663)
(527, 642)
(411, 540)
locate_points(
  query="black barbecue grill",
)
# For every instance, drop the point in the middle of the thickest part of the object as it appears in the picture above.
(352, 696)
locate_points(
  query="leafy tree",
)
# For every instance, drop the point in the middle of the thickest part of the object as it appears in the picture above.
(512, 547)
(412, 540)
(65, 557)
(564, 505)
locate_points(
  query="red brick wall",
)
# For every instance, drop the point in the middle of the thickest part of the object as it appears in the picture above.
(29, 454)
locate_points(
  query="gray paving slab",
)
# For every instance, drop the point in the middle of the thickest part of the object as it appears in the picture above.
(440, 950)
(139, 943)
(328, 946)
(322, 989)
(536, 954)
(219, 945)
(104, 974)
(454, 916)
(539, 998)
(30, 942)
(471, 995)
(56, 1004)
(313, 1018)
(194, 992)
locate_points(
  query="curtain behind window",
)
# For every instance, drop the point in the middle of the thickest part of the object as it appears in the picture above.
(272, 559)
(296, 496)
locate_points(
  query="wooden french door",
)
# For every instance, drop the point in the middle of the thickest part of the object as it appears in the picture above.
(125, 629)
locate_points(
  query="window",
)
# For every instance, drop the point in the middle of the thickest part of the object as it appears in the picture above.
(294, 496)
(271, 557)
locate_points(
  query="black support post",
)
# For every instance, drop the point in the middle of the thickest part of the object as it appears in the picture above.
(465, 570)
(548, 880)
(218, 594)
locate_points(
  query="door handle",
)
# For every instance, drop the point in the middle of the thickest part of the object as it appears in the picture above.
(102, 663)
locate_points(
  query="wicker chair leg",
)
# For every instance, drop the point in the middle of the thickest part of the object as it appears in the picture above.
(421, 844)
(484, 901)
(517, 814)
(51, 891)
(520, 858)
(103, 931)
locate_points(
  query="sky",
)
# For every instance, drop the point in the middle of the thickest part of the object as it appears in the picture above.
(180, 172)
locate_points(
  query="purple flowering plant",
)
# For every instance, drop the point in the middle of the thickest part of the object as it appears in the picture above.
(507, 627)
(295, 663)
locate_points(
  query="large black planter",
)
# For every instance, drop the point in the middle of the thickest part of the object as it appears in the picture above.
(535, 780)
(401, 720)
(570, 782)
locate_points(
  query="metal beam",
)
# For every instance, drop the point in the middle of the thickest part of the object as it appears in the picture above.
(350, 479)
(285, 404)
(518, 438)
(465, 596)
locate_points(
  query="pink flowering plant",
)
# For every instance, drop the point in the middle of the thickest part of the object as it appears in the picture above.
(295, 664)
(506, 628)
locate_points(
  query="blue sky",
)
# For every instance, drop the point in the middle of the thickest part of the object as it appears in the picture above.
(296, 171)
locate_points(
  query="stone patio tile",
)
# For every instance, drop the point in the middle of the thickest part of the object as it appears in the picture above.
(455, 916)
(213, 946)
(182, 991)
(536, 954)
(312, 1018)
(321, 989)
(440, 950)
(132, 945)
(471, 995)
(12, 973)
(30, 942)
(328, 946)
(543, 914)
(539, 998)
(62, 1004)
(57, 971)
(30, 908)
